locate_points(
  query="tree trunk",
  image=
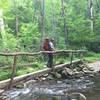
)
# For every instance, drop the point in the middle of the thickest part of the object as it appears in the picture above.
(34, 14)
(36, 6)
(53, 22)
(42, 22)
(90, 6)
(2, 29)
(1, 21)
(16, 18)
(97, 6)
(17, 23)
(65, 26)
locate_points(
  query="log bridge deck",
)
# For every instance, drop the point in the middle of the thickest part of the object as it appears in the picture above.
(23, 78)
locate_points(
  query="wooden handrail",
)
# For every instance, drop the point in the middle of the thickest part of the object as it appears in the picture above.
(41, 52)
(32, 54)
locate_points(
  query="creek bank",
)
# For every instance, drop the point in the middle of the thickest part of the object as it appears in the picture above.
(76, 78)
(24, 78)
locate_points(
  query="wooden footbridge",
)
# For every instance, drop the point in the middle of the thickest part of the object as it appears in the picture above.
(23, 78)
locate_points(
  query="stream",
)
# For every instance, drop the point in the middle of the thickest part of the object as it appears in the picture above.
(57, 90)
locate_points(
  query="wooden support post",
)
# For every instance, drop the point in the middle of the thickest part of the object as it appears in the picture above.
(53, 67)
(71, 58)
(81, 55)
(13, 72)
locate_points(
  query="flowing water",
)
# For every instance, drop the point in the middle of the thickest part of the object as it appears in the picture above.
(57, 90)
(94, 94)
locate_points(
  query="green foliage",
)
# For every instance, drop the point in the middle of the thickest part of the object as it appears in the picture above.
(30, 21)
(91, 57)
(29, 36)
(21, 70)
(8, 42)
(29, 14)
(4, 75)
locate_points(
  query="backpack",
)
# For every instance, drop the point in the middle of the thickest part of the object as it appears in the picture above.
(46, 46)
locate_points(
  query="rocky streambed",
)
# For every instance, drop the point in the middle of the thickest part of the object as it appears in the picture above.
(66, 84)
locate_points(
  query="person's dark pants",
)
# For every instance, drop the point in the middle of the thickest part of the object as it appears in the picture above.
(50, 60)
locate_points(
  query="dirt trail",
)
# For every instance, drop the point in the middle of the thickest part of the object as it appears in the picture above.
(95, 65)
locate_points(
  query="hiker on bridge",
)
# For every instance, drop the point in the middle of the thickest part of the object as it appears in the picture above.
(49, 46)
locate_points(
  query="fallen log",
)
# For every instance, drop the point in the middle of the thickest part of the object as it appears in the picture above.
(23, 78)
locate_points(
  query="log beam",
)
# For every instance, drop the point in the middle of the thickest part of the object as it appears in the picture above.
(41, 52)
(4, 84)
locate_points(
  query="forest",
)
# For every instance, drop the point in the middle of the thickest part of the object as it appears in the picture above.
(73, 24)
(70, 70)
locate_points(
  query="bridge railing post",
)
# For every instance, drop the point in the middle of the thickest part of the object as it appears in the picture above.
(13, 71)
(71, 58)
(81, 55)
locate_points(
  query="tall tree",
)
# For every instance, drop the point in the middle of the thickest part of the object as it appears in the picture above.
(16, 17)
(2, 30)
(1, 21)
(97, 6)
(42, 22)
(36, 6)
(53, 20)
(34, 14)
(91, 14)
(64, 21)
